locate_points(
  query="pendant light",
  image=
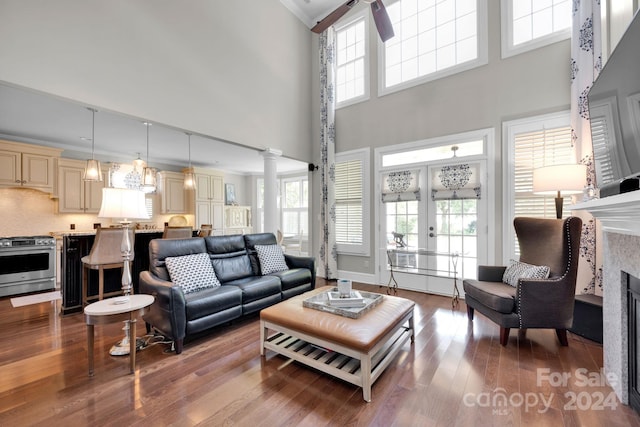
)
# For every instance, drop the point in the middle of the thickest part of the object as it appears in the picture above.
(189, 177)
(148, 174)
(93, 171)
(139, 164)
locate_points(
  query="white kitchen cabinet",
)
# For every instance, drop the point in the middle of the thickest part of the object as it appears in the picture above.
(26, 165)
(172, 192)
(74, 194)
(209, 199)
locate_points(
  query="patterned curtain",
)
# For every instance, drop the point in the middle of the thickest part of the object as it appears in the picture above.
(586, 63)
(328, 250)
(455, 182)
(401, 186)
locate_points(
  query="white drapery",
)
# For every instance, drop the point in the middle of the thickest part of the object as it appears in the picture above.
(328, 249)
(401, 186)
(586, 63)
(460, 181)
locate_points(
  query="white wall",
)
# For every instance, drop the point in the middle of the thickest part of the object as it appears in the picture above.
(235, 70)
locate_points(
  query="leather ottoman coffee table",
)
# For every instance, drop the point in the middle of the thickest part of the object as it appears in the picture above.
(354, 350)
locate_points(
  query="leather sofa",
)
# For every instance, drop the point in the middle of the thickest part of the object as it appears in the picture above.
(244, 290)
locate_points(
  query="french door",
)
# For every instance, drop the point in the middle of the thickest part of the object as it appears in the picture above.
(452, 230)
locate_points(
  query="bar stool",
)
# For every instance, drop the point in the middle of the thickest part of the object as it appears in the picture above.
(105, 254)
(177, 232)
(205, 230)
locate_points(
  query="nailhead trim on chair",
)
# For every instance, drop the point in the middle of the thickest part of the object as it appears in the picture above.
(556, 280)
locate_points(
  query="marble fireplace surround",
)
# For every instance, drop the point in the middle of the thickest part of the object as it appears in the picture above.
(620, 222)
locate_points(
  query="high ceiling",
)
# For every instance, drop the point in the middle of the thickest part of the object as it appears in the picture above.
(39, 118)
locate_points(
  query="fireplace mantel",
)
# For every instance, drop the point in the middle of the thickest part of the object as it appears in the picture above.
(617, 214)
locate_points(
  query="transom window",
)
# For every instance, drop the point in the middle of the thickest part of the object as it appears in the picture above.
(351, 62)
(433, 38)
(529, 24)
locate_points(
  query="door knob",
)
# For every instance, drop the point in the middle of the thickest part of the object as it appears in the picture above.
(432, 235)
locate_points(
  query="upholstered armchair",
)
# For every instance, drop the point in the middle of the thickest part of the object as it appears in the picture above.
(532, 302)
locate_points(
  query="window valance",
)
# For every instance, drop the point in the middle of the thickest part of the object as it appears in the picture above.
(401, 186)
(460, 181)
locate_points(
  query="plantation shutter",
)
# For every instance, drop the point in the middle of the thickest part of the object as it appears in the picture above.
(602, 140)
(533, 150)
(349, 193)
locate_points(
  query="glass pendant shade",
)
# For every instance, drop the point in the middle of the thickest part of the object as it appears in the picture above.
(189, 176)
(93, 171)
(139, 164)
(149, 180)
(189, 180)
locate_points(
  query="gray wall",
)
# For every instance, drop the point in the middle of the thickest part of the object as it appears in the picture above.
(235, 70)
(532, 83)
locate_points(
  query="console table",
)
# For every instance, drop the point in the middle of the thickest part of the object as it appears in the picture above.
(394, 266)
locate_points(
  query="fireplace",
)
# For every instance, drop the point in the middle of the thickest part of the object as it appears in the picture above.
(618, 216)
(633, 298)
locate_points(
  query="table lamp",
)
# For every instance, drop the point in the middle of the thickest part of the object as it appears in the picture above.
(557, 179)
(123, 204)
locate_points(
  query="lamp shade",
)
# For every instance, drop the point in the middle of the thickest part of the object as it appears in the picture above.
(123, 203)
(568, 179)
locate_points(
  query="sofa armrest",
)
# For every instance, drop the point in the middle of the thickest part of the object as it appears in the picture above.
(302, 262)
(545, 303)
(490, 273)
(168, 311)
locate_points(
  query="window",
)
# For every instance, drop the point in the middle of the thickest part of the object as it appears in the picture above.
(530, 24)
(351, 200)
(352, 80)
(432, 39)
(534, 143)
(294, 212)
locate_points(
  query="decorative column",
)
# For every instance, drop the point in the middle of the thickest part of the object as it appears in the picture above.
(270, 189)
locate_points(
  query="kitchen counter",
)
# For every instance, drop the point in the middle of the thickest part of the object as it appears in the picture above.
(61, 234)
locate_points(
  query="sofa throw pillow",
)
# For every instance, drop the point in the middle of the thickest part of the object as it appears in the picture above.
(192, 272)
(271, 258)
(518, 270)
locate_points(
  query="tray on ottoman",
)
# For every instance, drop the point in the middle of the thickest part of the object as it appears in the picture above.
(322, 302)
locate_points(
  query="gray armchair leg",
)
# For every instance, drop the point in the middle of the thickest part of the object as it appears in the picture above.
(470, 312)
(562, 336)
(179, 345)
(504, 335)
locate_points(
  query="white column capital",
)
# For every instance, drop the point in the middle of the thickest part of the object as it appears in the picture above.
(271, 153)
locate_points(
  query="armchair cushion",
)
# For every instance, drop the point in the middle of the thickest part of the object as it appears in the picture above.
(192, 272)
(271, 258)
(497, 296)
(517, 270)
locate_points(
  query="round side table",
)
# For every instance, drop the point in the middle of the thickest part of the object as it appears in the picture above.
(112, 310)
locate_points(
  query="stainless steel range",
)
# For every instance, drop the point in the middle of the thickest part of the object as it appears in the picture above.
(27, 264)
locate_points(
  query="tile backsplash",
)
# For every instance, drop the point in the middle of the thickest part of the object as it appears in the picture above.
(28, 212)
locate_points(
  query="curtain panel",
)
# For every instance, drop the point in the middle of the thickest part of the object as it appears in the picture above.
(328, 249)
(586, 63)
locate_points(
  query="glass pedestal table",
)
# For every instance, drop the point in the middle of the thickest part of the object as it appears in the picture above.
(113, 310)
(394, 255)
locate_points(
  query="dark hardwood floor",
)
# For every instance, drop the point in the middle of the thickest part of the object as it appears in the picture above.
(455, 374)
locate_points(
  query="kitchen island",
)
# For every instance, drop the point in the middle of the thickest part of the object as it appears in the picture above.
(75, 245)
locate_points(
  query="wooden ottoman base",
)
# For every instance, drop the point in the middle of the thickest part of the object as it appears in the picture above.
(307, 338)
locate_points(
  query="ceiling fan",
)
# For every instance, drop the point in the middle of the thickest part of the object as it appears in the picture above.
(379, 12)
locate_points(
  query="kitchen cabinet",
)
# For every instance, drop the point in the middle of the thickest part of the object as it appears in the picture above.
(74, 194)
(209, 200)
(26, 165)
(75, 246)
(172, 193)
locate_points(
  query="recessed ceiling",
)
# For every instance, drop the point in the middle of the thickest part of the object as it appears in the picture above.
(34, 117)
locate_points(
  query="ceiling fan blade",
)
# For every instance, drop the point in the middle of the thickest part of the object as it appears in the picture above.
(381, 18)
(331, 18)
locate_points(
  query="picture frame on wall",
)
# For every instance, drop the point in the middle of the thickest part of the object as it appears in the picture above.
(230, 194)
